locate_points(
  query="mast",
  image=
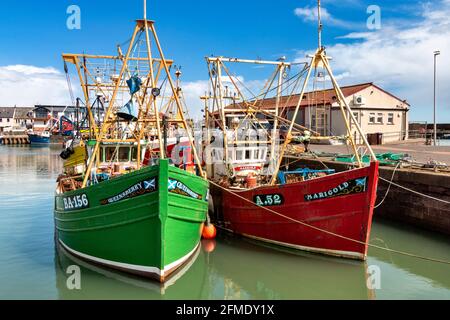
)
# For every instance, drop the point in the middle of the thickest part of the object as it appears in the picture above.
(153, 83)
(145, 9)
(281, 69)
(320, 58)
(222, 110)
(319, 16)
(177, 100)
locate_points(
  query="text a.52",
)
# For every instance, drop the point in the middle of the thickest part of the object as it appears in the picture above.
(269, 199)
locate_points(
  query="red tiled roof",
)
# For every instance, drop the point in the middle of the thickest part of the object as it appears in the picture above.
(322, 97)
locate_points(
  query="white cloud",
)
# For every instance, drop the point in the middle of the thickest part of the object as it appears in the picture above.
(356, 35)
(26, 85)
(192, 92)
(400, 59)
(310, 14)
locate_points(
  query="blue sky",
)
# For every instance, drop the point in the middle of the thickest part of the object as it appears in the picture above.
(34, 34)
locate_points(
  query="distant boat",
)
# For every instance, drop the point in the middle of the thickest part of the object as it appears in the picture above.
(39, 137)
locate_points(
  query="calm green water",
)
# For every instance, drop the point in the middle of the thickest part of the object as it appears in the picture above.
(31, 268)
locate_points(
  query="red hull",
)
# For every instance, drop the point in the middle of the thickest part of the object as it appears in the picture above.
(341, 203)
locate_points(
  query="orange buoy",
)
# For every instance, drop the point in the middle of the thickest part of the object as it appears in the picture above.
(208, 245)
(209, 231)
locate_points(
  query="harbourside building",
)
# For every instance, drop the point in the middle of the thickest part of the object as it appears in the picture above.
(23, 117)
(15, 118)
(43, 114)
(381, 115)
(6, 118)
(37, 117)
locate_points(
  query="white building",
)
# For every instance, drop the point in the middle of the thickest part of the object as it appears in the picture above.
(381, 114)
(6, 118)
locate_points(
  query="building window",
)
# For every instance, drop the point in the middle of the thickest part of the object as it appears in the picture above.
(390, 118)
(41, 113)
(380, 118)
(372, 118)
(356, 114)
(7, 120)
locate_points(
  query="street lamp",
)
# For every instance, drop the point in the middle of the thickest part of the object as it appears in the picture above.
(436, 53)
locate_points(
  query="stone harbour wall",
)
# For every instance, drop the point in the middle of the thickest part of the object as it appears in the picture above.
(400, 204)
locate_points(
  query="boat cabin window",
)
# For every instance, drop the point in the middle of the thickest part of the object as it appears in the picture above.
(134, 154)
(239, 155)
(121, 154)
(263, 154)
(124, 154)
(230, 155)
(248, 154)
(109, 153)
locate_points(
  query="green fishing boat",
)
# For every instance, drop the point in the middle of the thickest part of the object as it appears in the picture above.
(147, 222)
(127, 199)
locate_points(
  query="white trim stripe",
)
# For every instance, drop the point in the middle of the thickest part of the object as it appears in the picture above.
(133, 267)
(348, 254)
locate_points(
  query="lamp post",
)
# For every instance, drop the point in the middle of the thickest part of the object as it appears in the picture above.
(436, 53)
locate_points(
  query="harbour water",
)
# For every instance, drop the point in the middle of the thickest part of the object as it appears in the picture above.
(228, 268)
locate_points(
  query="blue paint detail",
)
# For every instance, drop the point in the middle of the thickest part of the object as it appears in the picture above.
(361, 182)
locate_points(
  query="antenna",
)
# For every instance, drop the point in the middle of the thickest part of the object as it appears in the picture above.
(320, 23)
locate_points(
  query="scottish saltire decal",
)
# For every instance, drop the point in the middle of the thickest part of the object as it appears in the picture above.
(179, 187)
(346, 188)
(77, 202)
(138, 189)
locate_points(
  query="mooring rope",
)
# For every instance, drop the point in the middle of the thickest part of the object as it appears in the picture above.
(329, 232)
(390, 184)
(415, 192)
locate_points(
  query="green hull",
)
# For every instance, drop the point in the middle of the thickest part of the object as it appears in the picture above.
(148, 222)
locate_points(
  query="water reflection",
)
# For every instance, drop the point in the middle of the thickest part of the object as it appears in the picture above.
(99, 282)
(42, 161)
(417, 278)
(235, 269)
(229, 268)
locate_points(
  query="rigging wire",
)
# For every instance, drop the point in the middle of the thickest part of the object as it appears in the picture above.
(69, 83)
(256, 97)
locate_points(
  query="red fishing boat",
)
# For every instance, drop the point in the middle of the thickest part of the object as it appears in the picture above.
(253, 194)
(318, 215)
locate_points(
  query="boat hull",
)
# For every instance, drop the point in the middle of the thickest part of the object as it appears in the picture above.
(340, 204)
(38, 139)
(138, 223)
